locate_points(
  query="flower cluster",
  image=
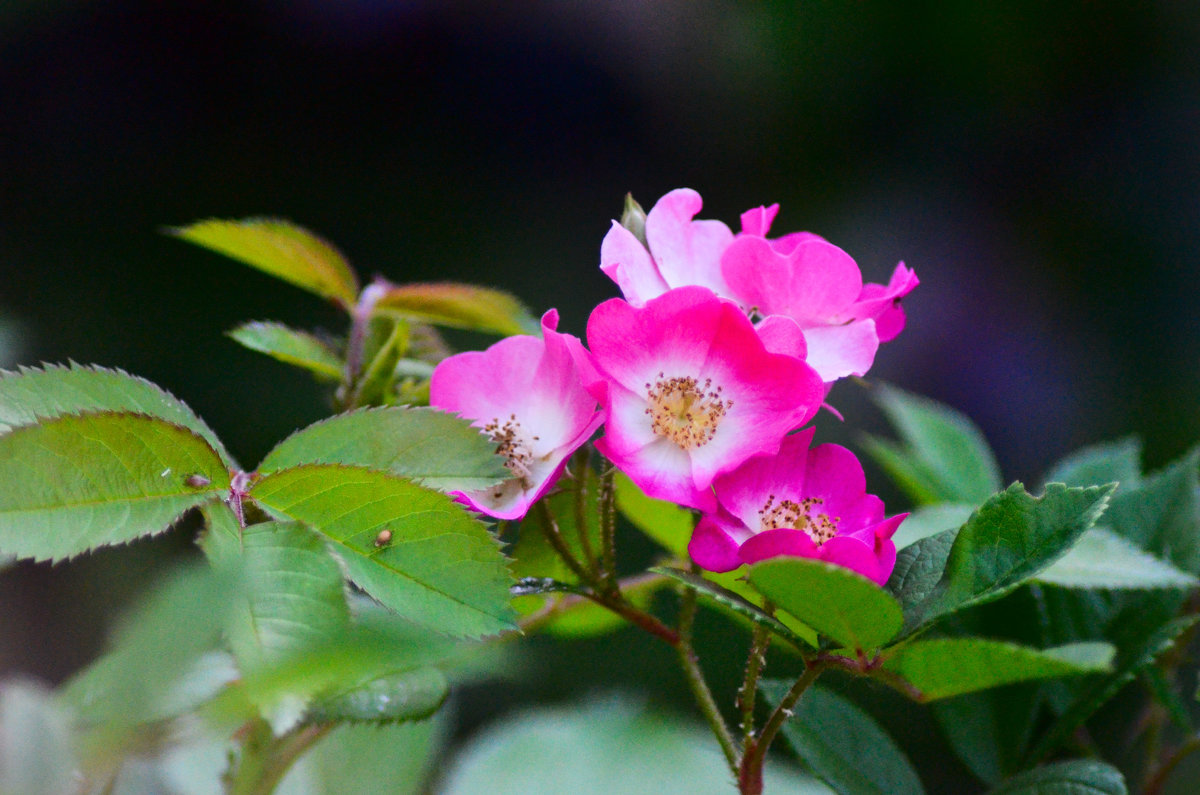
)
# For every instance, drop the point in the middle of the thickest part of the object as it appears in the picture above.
(722, 348)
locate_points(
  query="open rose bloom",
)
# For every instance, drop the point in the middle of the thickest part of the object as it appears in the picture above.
(809, 503)
(528, 395)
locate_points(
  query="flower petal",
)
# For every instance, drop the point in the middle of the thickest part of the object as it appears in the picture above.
(626, 261)
(838, 351)
(712, 547)
(686, 251)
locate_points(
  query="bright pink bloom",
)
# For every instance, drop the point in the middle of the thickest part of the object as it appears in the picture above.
(692, 391)
(528, 394)
(682, 251)
(882, 302)
(809, 503)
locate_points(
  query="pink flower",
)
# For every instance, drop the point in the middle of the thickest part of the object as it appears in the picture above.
(809, 503)
(528, 394)
(691, 391)
(682, 251)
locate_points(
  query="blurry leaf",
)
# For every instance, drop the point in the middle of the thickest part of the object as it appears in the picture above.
(294, 594)
(1162, 515)
(37, 754)
(155, 645)
(280, 248)
(601, 748)
(944, 457)
(1011, 538)
(1166, 694)
(990, 730)
(843, 744)
(831, 599)
(403, 696)
(1111, 462)
(79, 482)
(34, 395)
(438, 567)
(1102, 559)
(1076, 777)
(383, 350)
(367, 760)
(297, 348)
(919, 568)
(946, 667)
(930, 520)
(1130, 660)
(458, 305)
(664, 522)
(431, 447)
(709, 590)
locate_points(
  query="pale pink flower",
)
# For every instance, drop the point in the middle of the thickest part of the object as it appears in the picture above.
(528, 395)
(803, 502)
(682, 251)
(691, 390)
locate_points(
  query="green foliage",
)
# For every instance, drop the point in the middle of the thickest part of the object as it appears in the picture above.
(427, 446)
(37, 754)
(79, 482)
(1110, 462)
(282, 249)
(990, 730)
(359, 759)
(834, 601)
(1162, 515)
(666, 523)
(293, 596)
(919, 569)
(946, 667)
(407, 695)
(844, 745)
(1010, 539)
(1103, 559)
(32, 395)
(943, 458)
(457, 305)
(290, 346)
(439, 566)
(929, 520)
(712, 592)
(601, 748)
(1076, 777)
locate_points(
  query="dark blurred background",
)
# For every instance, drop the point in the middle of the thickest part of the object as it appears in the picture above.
(1038, 164)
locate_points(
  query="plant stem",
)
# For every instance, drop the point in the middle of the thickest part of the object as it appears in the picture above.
(695, 679)
(1156, 781)
(750, 774)
(754, 664)
(608, 525)
(266, 759)
(581, 523)
(555, 537)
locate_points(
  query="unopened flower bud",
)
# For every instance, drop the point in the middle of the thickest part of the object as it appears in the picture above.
(634, 219)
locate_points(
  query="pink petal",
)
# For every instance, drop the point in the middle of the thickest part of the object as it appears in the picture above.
(773, 543)
(873, 562)
(883, 302)
(814, 284)
(758, 220)
(783, 335)
(626, 261)
(712, 547)
(686, 252)
(838, 351)
(743, 491)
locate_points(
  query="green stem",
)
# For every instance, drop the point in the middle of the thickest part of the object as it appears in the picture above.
(608, 524)
(750, 775)
(1156, 782)
(695, 679)
(754, 664)
(266, 759)
(555, 537)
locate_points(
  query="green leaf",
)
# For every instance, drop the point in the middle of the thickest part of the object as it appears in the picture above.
(929, 520)
(360, 759)
(1131, 659)
(833, 600)
(32, 395)
(281, 249)
(1110, 462)
(84, 481)
(603, 747)
(294, 594)
(713, 592)
(946, 667)
(990, 730)
(842, 744)
(37, 756)
(663, 522)
(1076, 777)
(1010, 539)
(919, 568)
(297, 348)
(458, 305)
(1162, 515)
(944, 457)
(1103, 559)
(431, 447)
(440, 567)
(407, 695)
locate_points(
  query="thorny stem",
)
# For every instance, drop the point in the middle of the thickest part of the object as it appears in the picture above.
(581, 523)
(535, 620)
(695, 679)
(608, 525)
(754, 665)
(750, 774)
(554, 536)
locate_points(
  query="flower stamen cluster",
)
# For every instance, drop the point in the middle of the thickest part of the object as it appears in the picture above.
(684, 411)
